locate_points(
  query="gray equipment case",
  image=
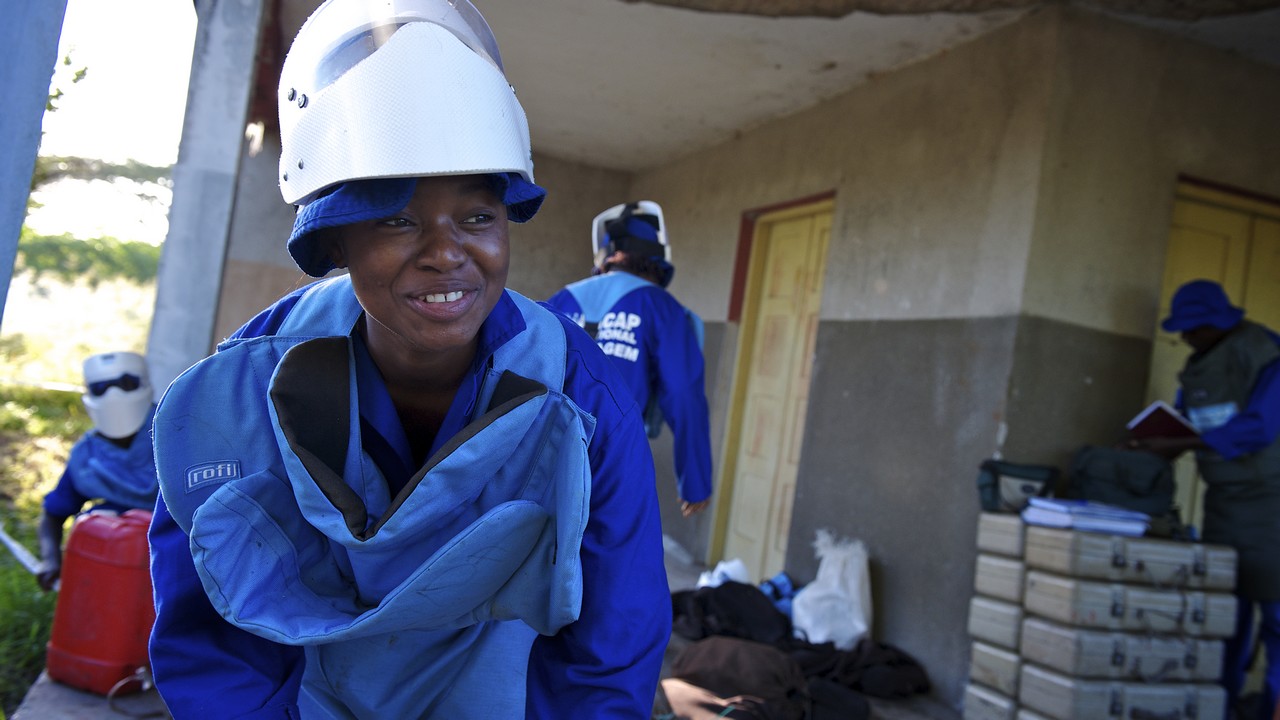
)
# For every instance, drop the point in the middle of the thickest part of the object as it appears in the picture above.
(981, 703)
(1148, 561)
(999, 577)
(1116, 606)
(1001, 534)
(1068, 698)
(995, 621)
(995, 668)
(1120, 656)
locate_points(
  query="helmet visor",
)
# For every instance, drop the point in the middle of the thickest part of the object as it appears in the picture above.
(127, 382)
(341, 34)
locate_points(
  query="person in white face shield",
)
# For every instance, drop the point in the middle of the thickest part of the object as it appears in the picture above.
(405, 491)
(110, 466)
(654, 341)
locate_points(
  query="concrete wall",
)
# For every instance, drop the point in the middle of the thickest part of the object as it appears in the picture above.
(1000, 222)
(1132, 110)
(934, 170)
(258, 268)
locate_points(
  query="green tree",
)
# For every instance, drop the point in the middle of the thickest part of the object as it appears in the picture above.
(67, 259)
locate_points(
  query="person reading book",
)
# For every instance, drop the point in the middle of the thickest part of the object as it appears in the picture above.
(1230, 392)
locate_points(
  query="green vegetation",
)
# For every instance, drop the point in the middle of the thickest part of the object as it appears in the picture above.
(93, 261)
(37, 429)
(51, 168)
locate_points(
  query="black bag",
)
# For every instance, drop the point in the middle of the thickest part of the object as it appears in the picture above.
(732, 609)
(1132, 479)
(1005, 486)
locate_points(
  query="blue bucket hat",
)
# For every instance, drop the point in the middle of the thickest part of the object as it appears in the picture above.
(1199, 303)
(361, 200)
(639, 235)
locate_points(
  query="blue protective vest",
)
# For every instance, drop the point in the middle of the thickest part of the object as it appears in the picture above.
(1242, 495)
(420, 605)
(121, 477)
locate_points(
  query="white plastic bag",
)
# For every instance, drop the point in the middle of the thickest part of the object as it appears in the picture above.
(724, 571)
(836, 606)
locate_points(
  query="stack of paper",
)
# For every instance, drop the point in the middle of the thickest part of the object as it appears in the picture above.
(1086, 515)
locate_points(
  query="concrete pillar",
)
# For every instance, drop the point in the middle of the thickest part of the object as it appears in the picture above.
(204, 183)
(30, 33)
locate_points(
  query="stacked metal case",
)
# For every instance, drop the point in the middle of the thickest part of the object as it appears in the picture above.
(995, 619)
(1102, 626)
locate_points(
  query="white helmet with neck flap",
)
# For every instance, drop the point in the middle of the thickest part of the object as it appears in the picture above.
(396, 88)
(117, 393)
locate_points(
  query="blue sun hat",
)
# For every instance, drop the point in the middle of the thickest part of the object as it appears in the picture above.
(372, 93)
(1199, 303)
(361, 200)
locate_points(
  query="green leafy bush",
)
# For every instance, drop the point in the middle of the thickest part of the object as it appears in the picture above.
(67, 259)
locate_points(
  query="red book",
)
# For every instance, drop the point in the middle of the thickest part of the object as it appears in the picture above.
(1160, 420)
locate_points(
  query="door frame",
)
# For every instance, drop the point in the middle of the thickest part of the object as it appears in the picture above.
(747, 275)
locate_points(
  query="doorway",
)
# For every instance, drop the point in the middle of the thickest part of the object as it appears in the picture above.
(786, 250)
(1232, 238)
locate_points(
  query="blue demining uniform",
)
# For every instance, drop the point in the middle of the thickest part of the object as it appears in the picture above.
(98, 469)
(655, 343)
(309, 569)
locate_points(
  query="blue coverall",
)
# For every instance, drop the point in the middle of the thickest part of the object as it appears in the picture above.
(649, 337)
(605, 664)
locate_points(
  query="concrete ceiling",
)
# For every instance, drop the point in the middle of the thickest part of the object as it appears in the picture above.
(631, 84)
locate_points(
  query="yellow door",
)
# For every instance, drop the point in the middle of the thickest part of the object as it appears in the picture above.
(1235, 241)
(771, 396)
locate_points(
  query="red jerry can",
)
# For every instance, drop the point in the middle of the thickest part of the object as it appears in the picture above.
(104, 613)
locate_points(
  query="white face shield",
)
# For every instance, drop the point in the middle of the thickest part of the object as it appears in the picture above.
(396, 88)
(600, 236)
(118, 393)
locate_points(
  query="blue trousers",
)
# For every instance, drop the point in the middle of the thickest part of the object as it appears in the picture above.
(1239, 649)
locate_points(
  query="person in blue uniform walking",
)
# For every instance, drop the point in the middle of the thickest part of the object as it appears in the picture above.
(1230, 391)
(110, 468)
(405, 491)
(653, 340)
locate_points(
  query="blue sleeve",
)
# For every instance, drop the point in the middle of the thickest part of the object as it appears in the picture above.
(1257, 425)
(193, 649)
(64, 500)
(682, 395)
(609, 660)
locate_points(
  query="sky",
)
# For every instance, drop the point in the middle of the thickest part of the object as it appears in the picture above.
(129, 106)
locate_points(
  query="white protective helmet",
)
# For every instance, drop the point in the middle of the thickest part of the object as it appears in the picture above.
(600, 236)
(638, 228)
(118, 393)
(396, 88)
